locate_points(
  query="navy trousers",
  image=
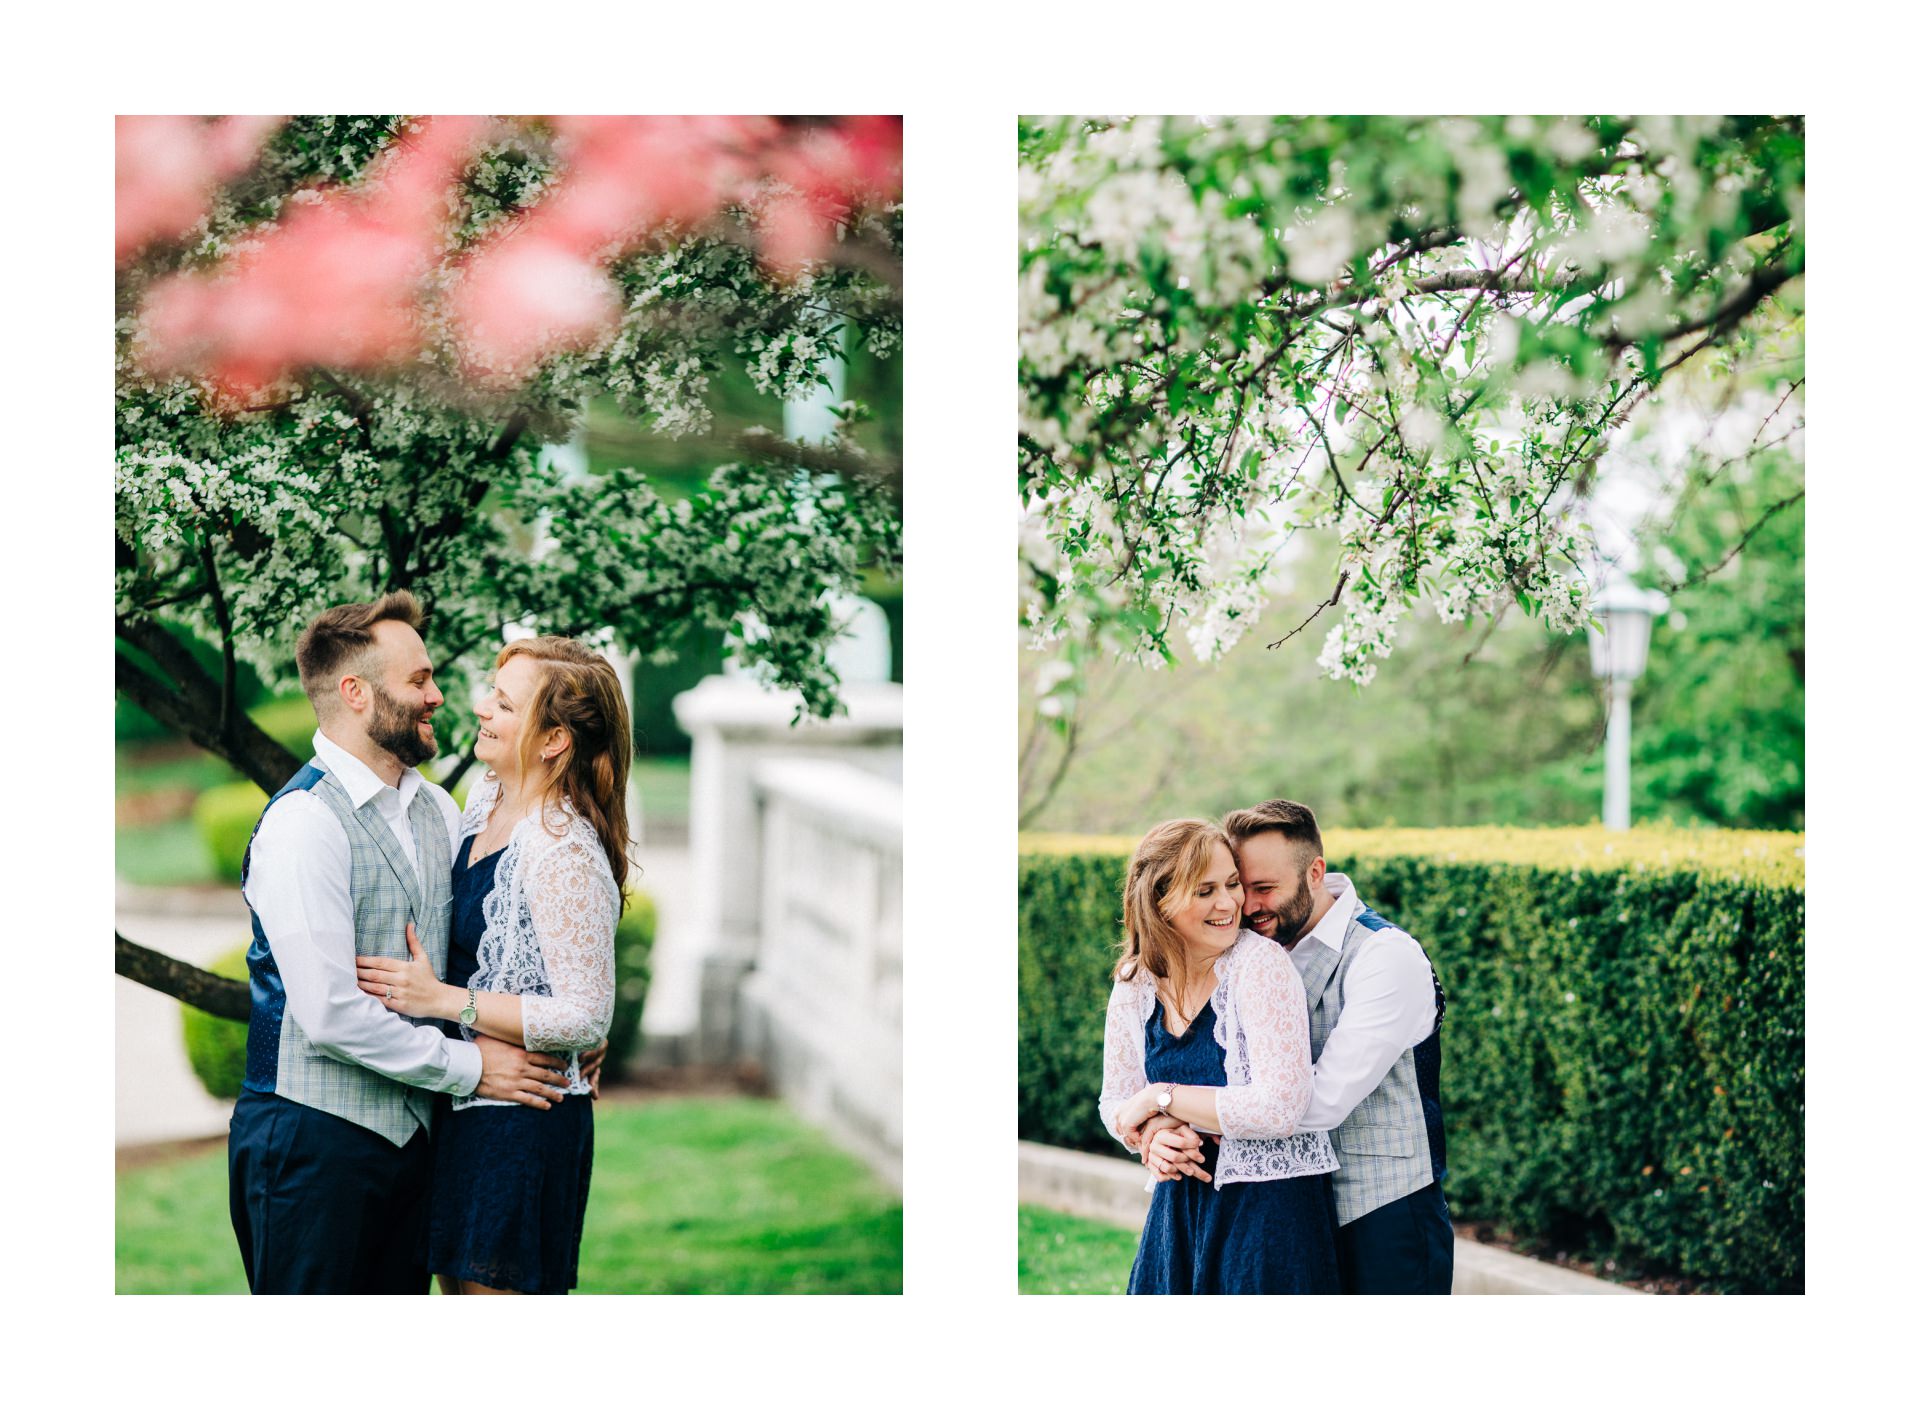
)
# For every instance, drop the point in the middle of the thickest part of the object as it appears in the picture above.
(321, 1205)
(1402, 1247)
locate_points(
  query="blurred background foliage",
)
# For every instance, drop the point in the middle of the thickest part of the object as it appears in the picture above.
(1474, 725)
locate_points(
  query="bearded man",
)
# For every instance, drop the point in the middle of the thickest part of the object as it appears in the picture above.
(1374, 1009)
(328, 1160)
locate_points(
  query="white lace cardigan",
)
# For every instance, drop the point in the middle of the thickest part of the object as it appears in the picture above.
(548, 931)
(1260, 1022)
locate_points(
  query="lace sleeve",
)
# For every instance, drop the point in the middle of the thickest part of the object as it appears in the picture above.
(570, 898)
(1125, 1070)
(480, 800)
(1270, 1006)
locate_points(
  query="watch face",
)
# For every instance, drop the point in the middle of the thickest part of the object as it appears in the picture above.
(468, 1015)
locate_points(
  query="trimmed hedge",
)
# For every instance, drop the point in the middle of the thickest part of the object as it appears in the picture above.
(1624, 1043)
(225, 817)
(632, 973)
(217, 1047)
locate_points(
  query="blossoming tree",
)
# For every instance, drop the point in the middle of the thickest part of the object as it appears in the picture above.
(1421, 335)
(342, 344)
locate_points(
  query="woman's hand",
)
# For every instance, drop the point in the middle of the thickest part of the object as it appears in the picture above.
(1143, 1141)
(1175, 1150)
(409, 986)
(1139, 1109)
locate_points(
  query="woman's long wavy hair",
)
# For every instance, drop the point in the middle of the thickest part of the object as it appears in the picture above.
(579, 693)
(1163, 876)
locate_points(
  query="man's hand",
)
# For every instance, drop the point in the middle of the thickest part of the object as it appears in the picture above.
(512, 1074)
(590, 1066)
(1174, 1150)
(1156, 1123)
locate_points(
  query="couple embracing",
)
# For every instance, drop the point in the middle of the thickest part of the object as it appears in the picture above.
(1273, 1057)
(426, 983)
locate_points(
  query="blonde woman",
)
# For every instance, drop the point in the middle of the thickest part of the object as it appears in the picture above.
(538, 888)
(1207, 1023)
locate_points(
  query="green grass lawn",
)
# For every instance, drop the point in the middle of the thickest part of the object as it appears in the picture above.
(692, 1195)
(1062, 1254)
(664, 784)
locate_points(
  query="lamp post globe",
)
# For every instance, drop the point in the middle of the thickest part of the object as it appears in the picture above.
(1623, 626)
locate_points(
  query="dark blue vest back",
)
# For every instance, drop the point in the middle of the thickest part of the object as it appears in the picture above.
(263, 974)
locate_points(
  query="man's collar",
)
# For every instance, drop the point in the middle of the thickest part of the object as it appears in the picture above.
(1332, 929)
(361, 783)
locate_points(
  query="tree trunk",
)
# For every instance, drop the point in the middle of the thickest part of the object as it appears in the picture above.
(191, 706)
(184, 698)
(224, 998)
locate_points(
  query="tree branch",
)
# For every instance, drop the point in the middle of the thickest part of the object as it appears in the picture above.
(223, 998)
(191, 707)
(1717, 321)
(509, 435)
(1338, 588)
(224, 620)
(850, 461)
(1695, 579)
(1069, 746)
(459, 771)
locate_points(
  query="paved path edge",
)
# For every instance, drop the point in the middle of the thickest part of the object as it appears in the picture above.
(1114, 1191)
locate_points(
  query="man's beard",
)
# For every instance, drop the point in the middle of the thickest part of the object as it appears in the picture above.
(1291, 919)
(397, 730)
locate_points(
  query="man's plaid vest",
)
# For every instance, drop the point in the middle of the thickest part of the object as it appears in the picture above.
(1393, 1142)
(387, 893)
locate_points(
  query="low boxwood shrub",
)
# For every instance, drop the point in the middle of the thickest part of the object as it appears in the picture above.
(225, 816)
(217, 1047)
(632, 973)
(1624, 1044)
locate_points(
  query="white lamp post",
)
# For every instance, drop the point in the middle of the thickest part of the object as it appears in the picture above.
(1619, 647)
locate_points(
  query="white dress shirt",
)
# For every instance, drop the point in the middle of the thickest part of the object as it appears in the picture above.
(1386, 1007)
(298, 883)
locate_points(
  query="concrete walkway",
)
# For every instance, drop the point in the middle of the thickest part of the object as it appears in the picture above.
(156, 1095)
(1116, 1191)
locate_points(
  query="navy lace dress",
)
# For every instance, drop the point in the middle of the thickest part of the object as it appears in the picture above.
(1252, 1236)
(509, 1182)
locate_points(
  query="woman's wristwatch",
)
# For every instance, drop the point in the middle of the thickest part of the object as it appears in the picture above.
(470, 1015)
(1165, 1097)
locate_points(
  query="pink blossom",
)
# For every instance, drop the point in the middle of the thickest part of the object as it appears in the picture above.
(339, 280)
(629, 175)
(828, 171)
(335, 283)
(166, 168)
(525, 298)
(794, 232)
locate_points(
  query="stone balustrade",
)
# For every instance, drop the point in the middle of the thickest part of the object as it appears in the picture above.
(820, 1009)
(794, 908)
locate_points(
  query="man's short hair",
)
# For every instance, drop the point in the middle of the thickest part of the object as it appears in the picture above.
(1293, 821)
(335, 642)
